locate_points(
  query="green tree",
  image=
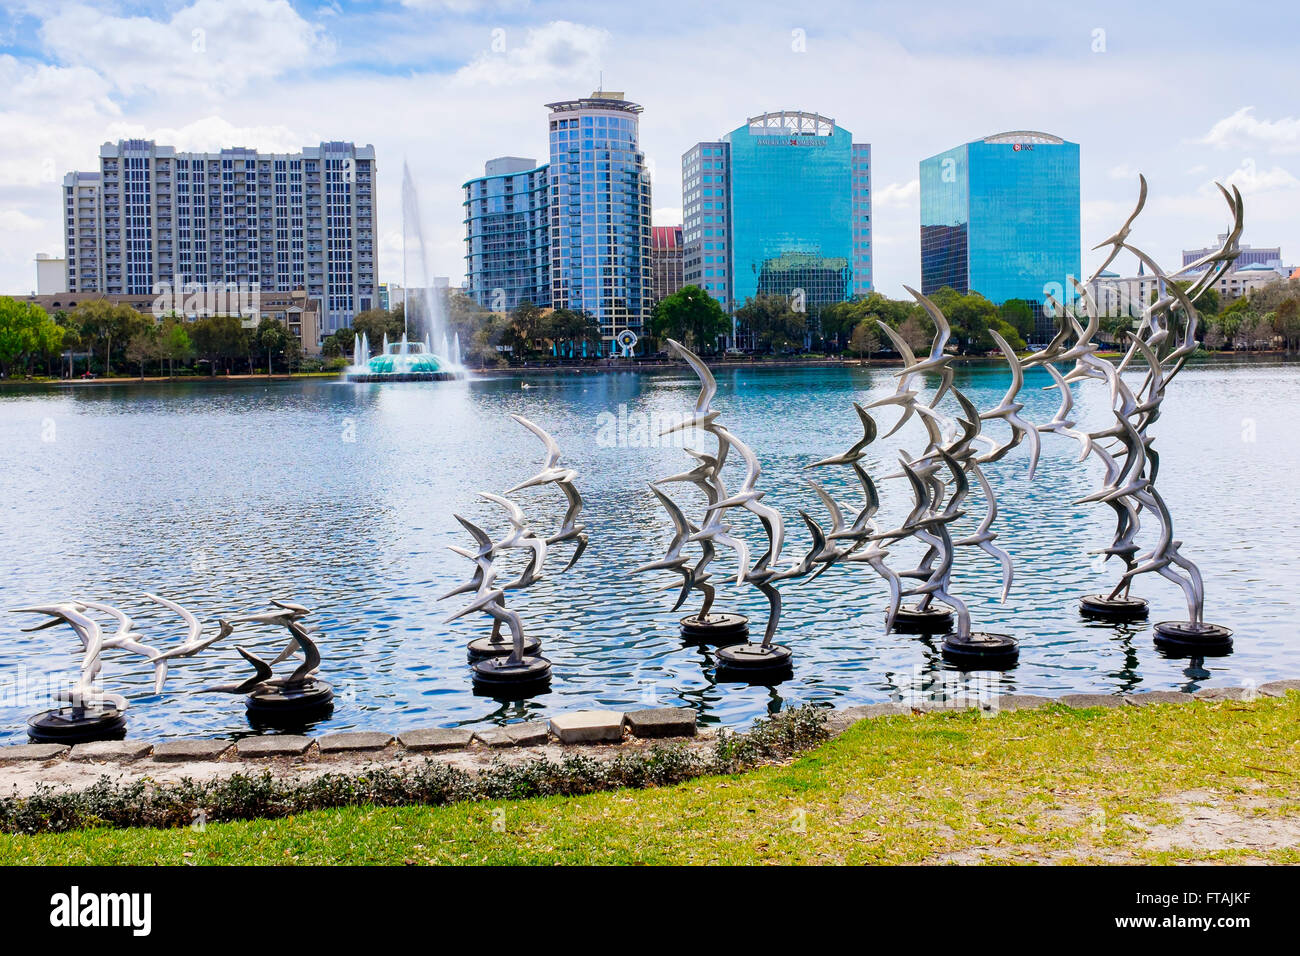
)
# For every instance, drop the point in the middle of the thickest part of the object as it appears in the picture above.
(866, 338)
(220, 340)
(174, 344)
(274, 338)
(691, 316)
(100, 324)
(26, 332)
(774, 325)
(1018, 314)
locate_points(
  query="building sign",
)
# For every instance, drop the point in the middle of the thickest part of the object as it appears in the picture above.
(1019, 146)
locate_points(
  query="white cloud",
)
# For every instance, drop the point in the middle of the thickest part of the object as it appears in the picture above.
(560, 50)
(1249, 178)
(898, 194)
(1124, 171)
(666, 216)
(211, 45)
(213, 133)
(1243, 130)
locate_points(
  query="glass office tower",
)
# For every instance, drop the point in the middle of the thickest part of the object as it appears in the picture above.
(507, 235)
(779, 206)
(1000, 216)
(600, 213)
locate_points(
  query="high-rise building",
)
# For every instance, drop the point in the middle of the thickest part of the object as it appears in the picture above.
(779, 206)
(1000, 216)
(1249, 256)
(83, 235)
(665, 261)
(600, 212)
(507, 234)
(277, 221)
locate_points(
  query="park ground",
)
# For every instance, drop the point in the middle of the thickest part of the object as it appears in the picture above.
(1209, 782)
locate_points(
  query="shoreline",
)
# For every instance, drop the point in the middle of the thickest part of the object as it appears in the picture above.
(1218, 358)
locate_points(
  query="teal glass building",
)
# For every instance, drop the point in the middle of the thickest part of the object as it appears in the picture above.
(779, 206)
(1000, 216)
(507, 235)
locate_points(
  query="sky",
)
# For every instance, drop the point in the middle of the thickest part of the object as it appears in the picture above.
(1187, 93)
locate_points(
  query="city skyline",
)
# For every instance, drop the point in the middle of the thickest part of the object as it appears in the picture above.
(273, 76)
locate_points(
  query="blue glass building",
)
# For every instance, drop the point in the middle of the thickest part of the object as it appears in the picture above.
(1000, 216)
(600, 213)
(779, 206)
(507, 235)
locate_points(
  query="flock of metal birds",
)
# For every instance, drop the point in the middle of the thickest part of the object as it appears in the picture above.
(489, 595)
(86, 695)
(941, 477)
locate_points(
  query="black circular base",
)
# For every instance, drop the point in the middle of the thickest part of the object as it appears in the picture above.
(499, 677)
(754, 663)
(715, 629)
(61, 727)
(933, 620)
(1185, 639)
(1101, 607)
(482, 648)
(981, 651)
(290, 705)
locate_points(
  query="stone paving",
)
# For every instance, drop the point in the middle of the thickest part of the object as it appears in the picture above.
(602, 734)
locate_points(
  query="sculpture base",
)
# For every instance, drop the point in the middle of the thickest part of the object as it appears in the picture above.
(1102, 607)
(719, 629)
(1185, 639)
(754, 663)
(291, 705)
(981, 651)
(503, 679)
(482, 648)
(63, 727)
(933, 620)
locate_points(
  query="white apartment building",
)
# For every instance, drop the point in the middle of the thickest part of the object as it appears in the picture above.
(280, 221)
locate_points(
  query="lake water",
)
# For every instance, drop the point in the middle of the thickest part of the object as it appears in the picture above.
(341, 497)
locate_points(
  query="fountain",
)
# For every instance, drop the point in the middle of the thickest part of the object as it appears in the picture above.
(424, 312)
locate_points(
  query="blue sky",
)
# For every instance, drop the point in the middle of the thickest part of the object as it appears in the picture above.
(1186, 93)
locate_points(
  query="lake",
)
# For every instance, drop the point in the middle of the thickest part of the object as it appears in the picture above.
(339, 496)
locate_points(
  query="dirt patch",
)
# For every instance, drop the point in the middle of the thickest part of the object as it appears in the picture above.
(1214, 822)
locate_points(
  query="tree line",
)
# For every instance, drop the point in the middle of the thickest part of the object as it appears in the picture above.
(116, 339)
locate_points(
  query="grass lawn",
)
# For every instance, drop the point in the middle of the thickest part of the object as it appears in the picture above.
(1158, 784)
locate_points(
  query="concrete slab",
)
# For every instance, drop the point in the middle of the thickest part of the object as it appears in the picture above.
(588, 726)
(111, 750)
(1018, 702)
(661, 722)
(170, 751)
(1227, 693)
(353, 741)
(433, 739)
(1159, 697)
(25, 752)
(534, 733)
(272, 745)
(1092, 700)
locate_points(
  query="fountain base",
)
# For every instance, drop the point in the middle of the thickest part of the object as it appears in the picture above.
(66, 726)
(717, 629)
(910, 619)
(506, 679)
(755, 663)
(403, 376)
(1102, 607)
(1188, 639)
(980, 651)
(482, 648)
(290, 705)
